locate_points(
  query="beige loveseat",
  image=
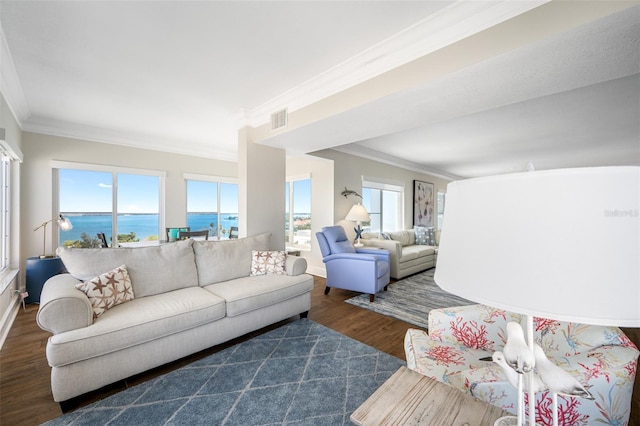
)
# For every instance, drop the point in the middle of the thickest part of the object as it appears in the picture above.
(407, 257)
(188, 296)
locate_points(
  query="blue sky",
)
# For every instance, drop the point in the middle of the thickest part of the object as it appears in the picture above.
(302, 196)
(91, 191)
(202, 197)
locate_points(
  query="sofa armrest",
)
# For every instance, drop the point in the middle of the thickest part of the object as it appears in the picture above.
(474, 326)
(393, 247)
(380, 254)
(295, 265)
(62, 306)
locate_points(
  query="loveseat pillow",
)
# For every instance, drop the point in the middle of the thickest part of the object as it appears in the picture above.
(268, 262)
(108, 290)
(421, 235)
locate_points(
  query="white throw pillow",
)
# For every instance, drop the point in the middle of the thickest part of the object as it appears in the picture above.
(268, 262)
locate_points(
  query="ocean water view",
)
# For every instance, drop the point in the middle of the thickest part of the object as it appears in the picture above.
(145, 226)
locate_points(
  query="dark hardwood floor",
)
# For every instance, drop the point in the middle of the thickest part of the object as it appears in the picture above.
(25, 395)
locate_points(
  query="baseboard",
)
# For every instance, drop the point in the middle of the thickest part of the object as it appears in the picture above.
(320, 272)
(9, 317)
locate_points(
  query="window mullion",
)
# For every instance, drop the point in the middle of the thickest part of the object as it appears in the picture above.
(114, 208)
(219, 217)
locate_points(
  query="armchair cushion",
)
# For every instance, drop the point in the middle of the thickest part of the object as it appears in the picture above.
(601, 358)
(337, 239)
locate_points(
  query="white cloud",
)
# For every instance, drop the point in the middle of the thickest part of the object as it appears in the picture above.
(104, 185)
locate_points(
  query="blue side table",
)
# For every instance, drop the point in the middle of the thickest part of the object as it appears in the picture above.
(38, 271)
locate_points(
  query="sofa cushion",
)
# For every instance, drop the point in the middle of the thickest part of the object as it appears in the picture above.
(250, 293)
(108, 290)
(416, 251)
(406, 238)
(136, 322)
(153, 269)
(226, 260)
(266, 262)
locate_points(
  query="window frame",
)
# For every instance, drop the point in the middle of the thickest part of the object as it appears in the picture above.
(56, 165)
(290, 180)
(389, 185)
(219, 180)
(441, 202)
(5, 215)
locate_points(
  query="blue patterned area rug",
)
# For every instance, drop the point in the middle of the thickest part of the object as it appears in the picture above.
(299, 374)
(410, 299)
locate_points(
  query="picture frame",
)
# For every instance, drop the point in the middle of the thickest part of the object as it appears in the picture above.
(423, 203)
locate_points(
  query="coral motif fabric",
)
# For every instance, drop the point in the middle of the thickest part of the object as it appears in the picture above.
(108, 290)
(268, 262)
(601, 358)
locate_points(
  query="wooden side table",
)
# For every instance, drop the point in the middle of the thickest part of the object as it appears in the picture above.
(409, 398)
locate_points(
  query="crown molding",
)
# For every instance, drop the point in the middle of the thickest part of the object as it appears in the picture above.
(371, 154)
(10, 84)
(449, 25)
(99, 135)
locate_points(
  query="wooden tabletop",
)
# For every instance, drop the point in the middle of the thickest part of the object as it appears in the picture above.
(409, 398)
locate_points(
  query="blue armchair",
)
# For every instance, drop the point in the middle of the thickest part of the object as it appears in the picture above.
(364, 270)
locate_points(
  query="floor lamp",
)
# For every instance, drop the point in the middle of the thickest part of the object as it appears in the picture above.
(526, 243)
(64, 224)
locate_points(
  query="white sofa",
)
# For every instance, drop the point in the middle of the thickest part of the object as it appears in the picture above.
(188, 296)
(407, 257)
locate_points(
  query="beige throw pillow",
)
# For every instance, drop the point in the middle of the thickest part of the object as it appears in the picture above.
(108, 290)
(267, 262)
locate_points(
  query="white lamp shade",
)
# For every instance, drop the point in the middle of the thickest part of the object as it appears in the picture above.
(358, 214)
(558, 244)
(64, 223)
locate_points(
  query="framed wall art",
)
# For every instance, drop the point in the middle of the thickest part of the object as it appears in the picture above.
(423, 203)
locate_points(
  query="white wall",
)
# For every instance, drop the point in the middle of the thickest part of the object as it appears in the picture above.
(350, 169)
(321, 171)
(37, 187)
(261, 172)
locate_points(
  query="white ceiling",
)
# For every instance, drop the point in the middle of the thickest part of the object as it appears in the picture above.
(184, 76)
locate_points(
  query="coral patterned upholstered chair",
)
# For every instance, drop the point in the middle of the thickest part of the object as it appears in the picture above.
(601, 358)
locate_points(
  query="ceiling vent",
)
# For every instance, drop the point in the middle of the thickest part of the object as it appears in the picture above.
(279, 119)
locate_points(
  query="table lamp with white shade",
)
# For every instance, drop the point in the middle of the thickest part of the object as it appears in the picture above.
(557, 244)
(358, 214)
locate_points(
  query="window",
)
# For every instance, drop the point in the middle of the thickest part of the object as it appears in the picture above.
(124, 204)
(298, 213)
(384, 202)
(5, 187)
(441, 200)
(212, 204)
(9, 159)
